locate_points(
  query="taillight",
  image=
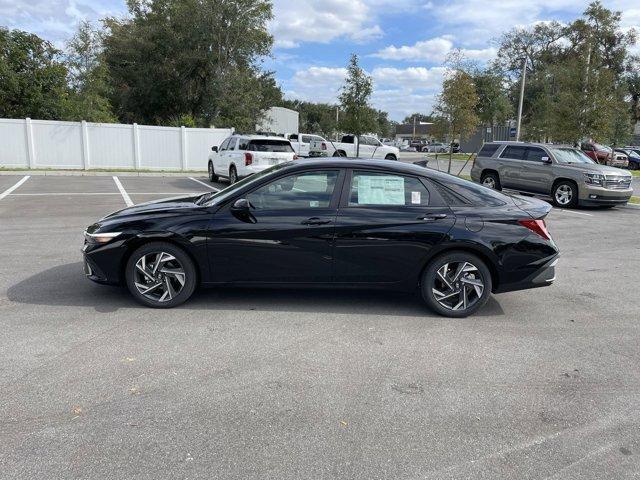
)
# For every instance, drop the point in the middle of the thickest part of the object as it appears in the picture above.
(536, 226)
(248, 158)
(295, 156)
(323, 146)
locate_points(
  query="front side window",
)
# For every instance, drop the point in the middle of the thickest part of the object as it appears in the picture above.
(375, 189)
(242, 143)
(232, 143)
(301, 190)
(535, 154)
(225, 144)
(514, 152)
(306, 139)
(280, 146)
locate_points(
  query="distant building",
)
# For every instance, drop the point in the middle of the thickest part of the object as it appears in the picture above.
(279, 121)
(405, 131)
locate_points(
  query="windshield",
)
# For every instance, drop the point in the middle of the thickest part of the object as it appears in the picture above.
(570, 155)
(269, 146)
(216, 198)
(601, 148)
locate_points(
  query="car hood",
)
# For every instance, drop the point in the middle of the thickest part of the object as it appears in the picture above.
(164, 205)
(595, 168)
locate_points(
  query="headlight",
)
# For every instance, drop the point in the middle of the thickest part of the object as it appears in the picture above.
(100, 237)
(594, 179)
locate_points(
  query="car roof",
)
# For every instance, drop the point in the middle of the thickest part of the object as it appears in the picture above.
(260, 137)
(364, 163)
(524, 144)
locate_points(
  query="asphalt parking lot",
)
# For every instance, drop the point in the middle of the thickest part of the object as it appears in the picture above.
(309, 384)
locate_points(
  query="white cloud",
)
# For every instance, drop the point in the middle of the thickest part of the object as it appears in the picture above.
(398, 91)
(322, 21)
(432, 50)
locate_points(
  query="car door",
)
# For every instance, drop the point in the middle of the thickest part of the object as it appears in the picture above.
(536, 176)
(512, 158)
(366, 147)
(386, 226)
(305, 145)
(286, 236)
(220, 159)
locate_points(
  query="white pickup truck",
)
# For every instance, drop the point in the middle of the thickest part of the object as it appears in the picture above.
(301, 143)
(370, 147)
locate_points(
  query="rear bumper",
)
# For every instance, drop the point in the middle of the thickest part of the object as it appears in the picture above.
(542, 277)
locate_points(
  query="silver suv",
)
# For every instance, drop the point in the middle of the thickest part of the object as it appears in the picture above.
(565, 174)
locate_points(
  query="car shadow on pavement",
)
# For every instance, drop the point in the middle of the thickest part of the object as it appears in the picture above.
(65, 285)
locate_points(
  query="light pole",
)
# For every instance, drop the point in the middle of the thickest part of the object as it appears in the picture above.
(524, 76)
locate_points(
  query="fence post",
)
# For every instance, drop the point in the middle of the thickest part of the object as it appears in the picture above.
(183, 145)
(136, 147)
(31, 149)
(85, 145)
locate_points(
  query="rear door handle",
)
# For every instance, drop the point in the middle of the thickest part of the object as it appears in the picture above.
(315, 221)
(432, 217)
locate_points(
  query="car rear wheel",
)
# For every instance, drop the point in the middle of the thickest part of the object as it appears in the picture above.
(390, 156)
(565, 194)
(233, 175)
(160, 275)
(491, 180)
(212, 176)
(456, 284)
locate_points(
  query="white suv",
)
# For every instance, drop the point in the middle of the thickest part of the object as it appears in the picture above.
(243, 155)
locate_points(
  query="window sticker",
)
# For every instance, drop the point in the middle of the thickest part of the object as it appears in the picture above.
(415, 198)
(314, 203)
(380, 190)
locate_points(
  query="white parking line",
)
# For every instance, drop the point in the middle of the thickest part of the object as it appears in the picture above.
(11, 189)
(175, 194)
(571, 211)
(202, 183)
(123, 192)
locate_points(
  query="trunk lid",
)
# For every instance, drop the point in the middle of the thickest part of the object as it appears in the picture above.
(536, 209)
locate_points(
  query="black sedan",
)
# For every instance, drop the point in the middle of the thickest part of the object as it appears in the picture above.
(338, 223)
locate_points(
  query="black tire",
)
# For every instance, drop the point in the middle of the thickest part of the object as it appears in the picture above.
(431, 280)
(562, 190)
(212, 176)
(390, 156)
(183, 260)
(338, 153)
(233, 175)
(491, 178)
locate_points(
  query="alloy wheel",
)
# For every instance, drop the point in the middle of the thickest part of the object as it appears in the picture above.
(564, 194)
(159, 276)
(489, 182)
(233, 176)
(458, 285)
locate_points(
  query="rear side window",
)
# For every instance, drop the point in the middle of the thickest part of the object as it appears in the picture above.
(515, 152)
(472, 193)
(371, 189)
(488, 149)
(306, 139)
(281, 146)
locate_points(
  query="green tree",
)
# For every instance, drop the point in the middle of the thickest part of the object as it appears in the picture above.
(88, 76)
(191, 57)
(493, 105)
(457, 105)
(418, 117)
(33, 77)
(357, 115)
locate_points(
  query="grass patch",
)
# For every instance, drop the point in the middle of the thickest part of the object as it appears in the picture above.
(635, 173)
(454, 156)
(635, 200)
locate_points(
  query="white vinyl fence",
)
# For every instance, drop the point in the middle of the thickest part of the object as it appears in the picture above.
(26, 143)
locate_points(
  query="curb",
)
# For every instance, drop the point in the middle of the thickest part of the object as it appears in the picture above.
(89, 173)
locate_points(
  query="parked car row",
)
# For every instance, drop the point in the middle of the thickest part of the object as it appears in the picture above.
(626, 157)
(565, 174)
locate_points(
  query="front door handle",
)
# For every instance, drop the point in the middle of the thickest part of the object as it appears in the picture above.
(315, 221)
(431, 217)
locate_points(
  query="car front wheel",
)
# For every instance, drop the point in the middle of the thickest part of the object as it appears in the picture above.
(456, 284)
(565, 195)
(160, 275)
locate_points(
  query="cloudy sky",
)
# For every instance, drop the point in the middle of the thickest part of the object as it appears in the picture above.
(402, 43)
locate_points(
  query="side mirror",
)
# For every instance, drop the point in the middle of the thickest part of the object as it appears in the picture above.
(242, 205)
(214, 149)
(546, 160)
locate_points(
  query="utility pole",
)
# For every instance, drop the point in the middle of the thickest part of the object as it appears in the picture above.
(524, 76)
(413, 137)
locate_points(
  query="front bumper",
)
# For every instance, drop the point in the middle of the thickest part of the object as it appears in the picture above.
(103, 263)
(593, 195)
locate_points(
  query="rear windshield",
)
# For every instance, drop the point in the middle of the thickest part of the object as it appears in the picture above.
(269, 146)
(473, 194)
(488, 149)
(570, 155)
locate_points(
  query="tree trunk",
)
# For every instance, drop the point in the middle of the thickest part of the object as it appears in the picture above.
(357, 146)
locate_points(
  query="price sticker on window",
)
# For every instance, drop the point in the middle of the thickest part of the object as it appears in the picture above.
(415, 198)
